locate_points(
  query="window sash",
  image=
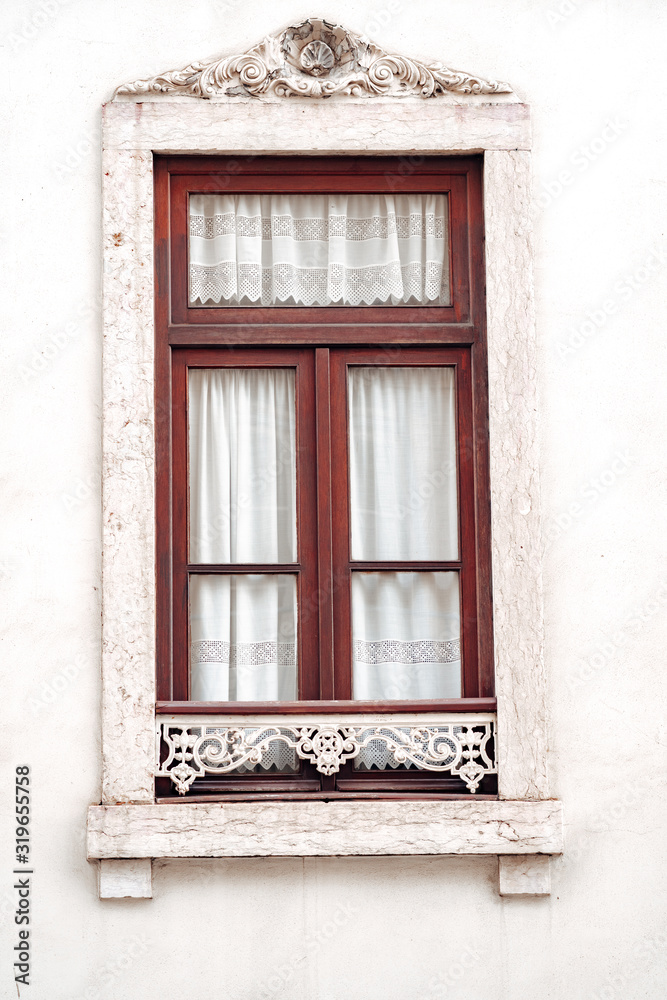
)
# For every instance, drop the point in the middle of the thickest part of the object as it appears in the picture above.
(305, 566)
(179, 327)
(322, 175)
(324, 566)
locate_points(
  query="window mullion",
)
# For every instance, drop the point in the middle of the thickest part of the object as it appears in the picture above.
(324, 528)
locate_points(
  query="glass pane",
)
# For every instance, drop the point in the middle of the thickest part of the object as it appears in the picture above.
(243, 637)
(242, 465)
(405, 636)
(403, 501)
(319, 250)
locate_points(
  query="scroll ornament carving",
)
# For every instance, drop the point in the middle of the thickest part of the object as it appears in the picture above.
(460, 749)
(314, 59)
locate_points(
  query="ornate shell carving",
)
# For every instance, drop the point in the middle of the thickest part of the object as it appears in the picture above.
(317, 58)
(314, 59)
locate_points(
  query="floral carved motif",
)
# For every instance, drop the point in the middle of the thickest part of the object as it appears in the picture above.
(314, 59)
(462, 748)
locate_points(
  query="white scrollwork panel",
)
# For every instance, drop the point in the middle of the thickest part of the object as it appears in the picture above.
(461, 748)
(314, 59)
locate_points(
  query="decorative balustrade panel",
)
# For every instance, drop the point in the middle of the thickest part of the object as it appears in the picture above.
(463, 747)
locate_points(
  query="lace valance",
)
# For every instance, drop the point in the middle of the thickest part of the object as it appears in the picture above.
(318, 250)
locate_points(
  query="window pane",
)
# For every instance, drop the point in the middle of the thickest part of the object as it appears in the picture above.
(242, 465)
(405, 636)
(403, 502)
(243, 637)
(321, 249)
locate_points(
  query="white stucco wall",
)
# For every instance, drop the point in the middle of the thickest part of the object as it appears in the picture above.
(389, 927)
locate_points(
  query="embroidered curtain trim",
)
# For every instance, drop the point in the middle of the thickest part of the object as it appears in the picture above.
(284, 653)
(317, 250)
(396, 651)
(244, 653)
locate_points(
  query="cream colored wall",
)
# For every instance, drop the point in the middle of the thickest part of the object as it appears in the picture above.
(383, 928)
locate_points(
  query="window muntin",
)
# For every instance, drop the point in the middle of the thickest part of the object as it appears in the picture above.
(319, 249)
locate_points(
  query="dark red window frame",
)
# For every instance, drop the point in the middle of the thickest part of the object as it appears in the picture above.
(319, 343)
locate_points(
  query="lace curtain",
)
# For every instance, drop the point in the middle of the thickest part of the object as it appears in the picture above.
(318, 250)
(242, 455)
(403, 506)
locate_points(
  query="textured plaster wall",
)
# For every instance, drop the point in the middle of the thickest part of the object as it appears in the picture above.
(386, 927)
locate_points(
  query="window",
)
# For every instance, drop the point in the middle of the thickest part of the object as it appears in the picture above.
(323, 500)
(139, 331)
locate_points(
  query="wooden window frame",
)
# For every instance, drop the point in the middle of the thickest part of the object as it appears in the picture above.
(320, 342)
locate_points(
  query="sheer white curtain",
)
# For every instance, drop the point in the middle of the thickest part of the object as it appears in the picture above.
(320, 249)
(403, 506)
(242, 455)
(243, 634)
(242, 458)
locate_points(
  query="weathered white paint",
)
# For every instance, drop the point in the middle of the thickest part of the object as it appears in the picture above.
(524, 875)
(515, 488)
(346, 125)
(123, 879)
(128, 479)
(600, 392)
(308, 829)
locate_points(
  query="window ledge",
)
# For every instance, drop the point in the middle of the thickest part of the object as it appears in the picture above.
(324, 829)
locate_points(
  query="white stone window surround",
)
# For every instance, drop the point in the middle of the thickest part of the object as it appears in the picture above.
(129, 824)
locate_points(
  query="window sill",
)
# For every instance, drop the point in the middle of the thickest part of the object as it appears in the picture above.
(362, 827)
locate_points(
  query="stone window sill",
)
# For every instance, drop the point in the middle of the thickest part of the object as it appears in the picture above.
(520, 829)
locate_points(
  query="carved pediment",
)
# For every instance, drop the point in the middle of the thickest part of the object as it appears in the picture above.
(314, 59)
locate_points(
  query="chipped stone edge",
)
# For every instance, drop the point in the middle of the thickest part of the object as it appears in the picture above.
(312, 829)
(524, 875)
(125, 879)
(389, 126)
(132, 132)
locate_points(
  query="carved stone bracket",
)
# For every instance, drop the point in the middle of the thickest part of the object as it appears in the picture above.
(314, 59)
(462, 748)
